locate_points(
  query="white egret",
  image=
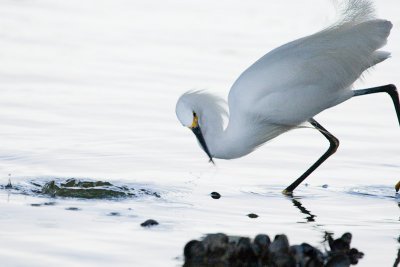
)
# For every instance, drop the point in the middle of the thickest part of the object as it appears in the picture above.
(289, 86)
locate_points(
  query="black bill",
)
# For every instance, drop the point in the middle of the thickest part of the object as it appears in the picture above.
(197, 132)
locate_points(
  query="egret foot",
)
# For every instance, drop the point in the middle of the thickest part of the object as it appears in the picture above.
(289, 193)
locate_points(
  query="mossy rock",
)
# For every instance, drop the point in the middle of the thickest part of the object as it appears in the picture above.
(84, 184)
(79, 188)
(85, 189)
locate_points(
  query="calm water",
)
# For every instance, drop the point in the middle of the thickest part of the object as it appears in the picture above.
(88, 89)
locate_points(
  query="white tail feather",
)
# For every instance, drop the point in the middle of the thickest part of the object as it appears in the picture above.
(354, 12)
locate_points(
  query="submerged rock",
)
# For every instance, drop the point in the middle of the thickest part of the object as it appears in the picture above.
(88, 189)
(149, 223)
(9, 185)
(84, 184)
(83, 190)
(73, 208)
(51, 203)
(78, 188)
(215, 195)
(220, 250)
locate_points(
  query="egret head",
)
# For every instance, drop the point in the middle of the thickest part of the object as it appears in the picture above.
(201, 113)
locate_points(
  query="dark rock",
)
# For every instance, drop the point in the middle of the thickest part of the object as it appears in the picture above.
(280, 244)
(72, 208)
(35, 184)
(194, 253)
(346, 238)
(69, 183)
(311, 257)
(355, 255)
(145, 191)
(80, 190)
(220, 250)
(262, 241)
(283, 260)
(279, 252)
(84, 184)
(261, 245)
(114, 213)
(341, 254)
(340, 244)
(298, 254)
(9, 185)
(76, 188)
(216, 244)
(149, 223)
(252, 215)
(215, 195)
(341, 260)
(243, 252)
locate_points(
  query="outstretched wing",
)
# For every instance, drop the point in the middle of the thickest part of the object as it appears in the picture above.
(313, 69)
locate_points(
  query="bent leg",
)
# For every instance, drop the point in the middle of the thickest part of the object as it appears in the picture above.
(333, 145)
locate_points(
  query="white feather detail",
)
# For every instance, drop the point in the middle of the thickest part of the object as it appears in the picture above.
(327, 62)
(290, 84)
(210, 109)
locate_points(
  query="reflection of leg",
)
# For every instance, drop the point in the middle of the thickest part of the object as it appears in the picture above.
(333, 145)
(297, 204)
(397, 261)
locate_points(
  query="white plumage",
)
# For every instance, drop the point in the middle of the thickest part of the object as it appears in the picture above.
(290, 84)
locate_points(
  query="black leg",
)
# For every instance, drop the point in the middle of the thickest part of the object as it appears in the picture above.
(333, 145)
(390, 89)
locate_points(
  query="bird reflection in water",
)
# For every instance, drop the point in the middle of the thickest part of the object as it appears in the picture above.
(310, 217)
(397, 261)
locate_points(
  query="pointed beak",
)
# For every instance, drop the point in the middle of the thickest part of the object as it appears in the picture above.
(197, 132)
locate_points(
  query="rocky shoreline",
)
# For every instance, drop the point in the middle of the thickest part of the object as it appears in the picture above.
(220, 250)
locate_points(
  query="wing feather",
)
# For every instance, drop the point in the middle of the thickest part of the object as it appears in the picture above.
(322, 64)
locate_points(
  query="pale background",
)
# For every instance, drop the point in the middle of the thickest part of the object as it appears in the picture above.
(88, 89)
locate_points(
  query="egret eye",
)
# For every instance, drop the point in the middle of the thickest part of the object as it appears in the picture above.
(195, 122)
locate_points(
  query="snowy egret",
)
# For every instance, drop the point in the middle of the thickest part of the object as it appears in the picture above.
(289, 86)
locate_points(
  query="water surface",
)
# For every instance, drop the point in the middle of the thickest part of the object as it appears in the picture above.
(88, 89)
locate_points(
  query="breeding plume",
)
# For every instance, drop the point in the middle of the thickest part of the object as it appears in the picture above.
(289, 86)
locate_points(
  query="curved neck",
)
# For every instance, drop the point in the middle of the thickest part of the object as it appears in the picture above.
(241, 137)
